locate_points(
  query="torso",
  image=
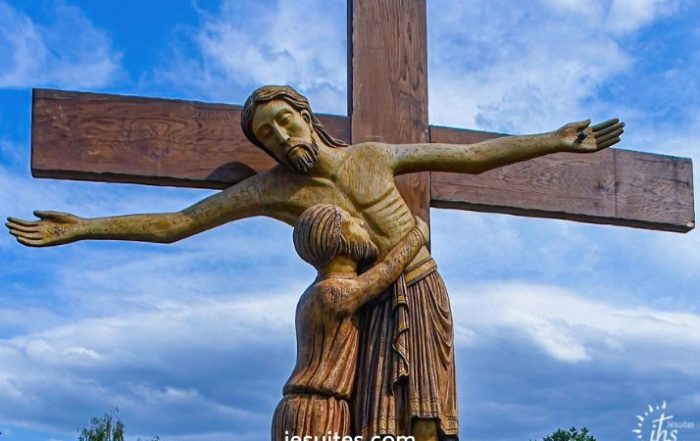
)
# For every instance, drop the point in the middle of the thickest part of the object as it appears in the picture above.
(363, 185)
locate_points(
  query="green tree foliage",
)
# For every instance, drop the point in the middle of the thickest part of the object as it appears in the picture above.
(572, 434)
(106, 428)
(103, 429)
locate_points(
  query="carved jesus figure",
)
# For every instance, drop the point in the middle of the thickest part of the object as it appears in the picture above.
(406, 377)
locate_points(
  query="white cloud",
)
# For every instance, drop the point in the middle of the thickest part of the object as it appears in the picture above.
(588, 8)
(630, 15)
(144, 362)
(244, 45)
(616, 16)
(532, 67)
(155, 366)
(103, 341)
(70, 52)
(570, 328)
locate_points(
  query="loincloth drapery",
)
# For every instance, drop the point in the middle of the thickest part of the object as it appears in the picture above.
(406, 365)
(309, 414)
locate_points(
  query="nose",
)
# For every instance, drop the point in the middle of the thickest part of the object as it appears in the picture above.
(280, 133)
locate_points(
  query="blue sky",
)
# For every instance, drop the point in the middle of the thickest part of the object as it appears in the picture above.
(557, 323)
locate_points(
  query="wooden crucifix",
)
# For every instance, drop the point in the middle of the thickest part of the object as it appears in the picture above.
(183, 143)
(167, 142)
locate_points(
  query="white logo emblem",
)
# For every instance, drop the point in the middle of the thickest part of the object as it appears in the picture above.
(657, 424)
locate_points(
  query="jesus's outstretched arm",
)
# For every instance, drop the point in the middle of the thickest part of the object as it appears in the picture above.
(578, 137)
(55, 228)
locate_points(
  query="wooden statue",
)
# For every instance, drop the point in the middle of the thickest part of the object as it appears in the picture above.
(317, 395)
(406, 373)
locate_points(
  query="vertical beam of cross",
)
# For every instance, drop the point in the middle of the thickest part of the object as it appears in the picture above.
(388, 83)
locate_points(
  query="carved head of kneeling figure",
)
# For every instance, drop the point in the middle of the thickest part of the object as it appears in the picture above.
(326, 235)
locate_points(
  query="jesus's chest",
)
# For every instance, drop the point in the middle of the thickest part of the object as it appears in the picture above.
(377, 201)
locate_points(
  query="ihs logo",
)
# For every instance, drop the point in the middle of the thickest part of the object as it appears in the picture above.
(655, 423)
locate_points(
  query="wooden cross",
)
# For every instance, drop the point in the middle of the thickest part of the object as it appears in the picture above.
(185, 143)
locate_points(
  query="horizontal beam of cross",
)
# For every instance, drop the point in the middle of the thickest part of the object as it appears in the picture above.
(116, 138)
(614, 186)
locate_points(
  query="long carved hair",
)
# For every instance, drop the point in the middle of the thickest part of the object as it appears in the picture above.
(293, 98)
(318, 238)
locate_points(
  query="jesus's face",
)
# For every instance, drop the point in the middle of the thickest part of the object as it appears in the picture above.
(286, 132)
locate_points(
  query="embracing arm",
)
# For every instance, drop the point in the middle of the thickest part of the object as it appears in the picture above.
(55, 228)
(578, 137)
(377, 279)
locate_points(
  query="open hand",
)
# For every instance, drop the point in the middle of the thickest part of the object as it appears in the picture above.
(52, 228)
(581, 137)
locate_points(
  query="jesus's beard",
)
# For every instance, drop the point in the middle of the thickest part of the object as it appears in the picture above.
(302, 155)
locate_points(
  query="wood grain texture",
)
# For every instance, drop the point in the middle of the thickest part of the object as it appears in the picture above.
(182, 143)
(614, 186)
(387, 78)
(116, 138)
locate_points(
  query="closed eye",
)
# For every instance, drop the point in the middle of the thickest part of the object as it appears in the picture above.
(285, 117)
(264, 133)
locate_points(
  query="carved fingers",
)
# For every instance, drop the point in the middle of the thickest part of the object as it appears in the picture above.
(26, 232)
(581, 125)
(52, 228)
(607, 133)
(584, 138)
